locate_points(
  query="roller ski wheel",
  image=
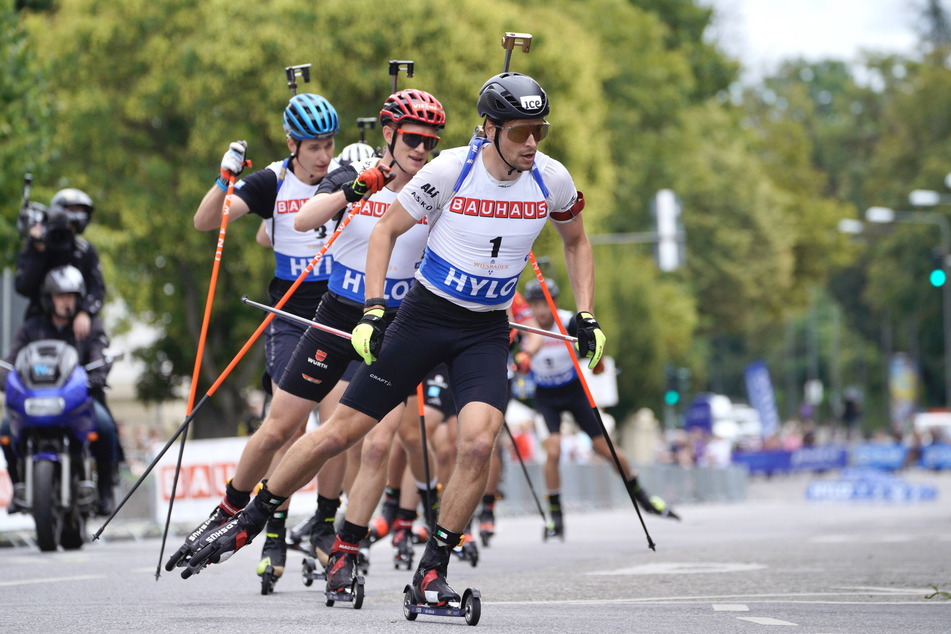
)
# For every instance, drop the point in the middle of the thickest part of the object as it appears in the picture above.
(469, 608)
(311, 572)
(268, 580)
(553, 530)
(352, 595)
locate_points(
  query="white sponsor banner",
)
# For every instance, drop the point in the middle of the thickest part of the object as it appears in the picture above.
(206, 467)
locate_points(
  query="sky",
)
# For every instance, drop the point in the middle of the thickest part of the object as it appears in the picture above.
(760, 33)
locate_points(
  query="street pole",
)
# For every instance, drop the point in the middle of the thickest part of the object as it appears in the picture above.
(884, 214)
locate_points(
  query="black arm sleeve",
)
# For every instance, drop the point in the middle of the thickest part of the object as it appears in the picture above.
(92, 274)
(94, 348)
(259, 192)
(31, 268)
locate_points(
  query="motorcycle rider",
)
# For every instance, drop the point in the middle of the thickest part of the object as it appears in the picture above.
(60, 297)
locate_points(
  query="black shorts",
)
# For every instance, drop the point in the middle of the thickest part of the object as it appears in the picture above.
(320, 358)
(281, 335)
(550, 402)
(427, 331)
(436, 391)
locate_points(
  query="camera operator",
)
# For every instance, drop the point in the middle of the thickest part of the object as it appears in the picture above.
(52, 240)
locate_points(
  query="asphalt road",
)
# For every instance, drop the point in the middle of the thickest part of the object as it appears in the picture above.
(774, 561)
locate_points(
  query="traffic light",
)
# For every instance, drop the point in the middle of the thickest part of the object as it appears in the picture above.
(672, 390)
(939, 275)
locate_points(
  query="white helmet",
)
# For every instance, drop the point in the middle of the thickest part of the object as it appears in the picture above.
(355, 152)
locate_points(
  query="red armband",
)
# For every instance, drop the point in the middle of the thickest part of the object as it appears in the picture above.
(571, 212)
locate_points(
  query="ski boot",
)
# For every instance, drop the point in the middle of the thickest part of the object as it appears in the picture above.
(343, 582)
(295, 538)
(221, 514)
(653, 504)
(322, 536)
(556, 527)
(430, 592)
(487, 521)
(403, 543)
(273, 558)
(467, 550)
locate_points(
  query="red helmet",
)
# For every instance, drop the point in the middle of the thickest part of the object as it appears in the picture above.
(413, 106)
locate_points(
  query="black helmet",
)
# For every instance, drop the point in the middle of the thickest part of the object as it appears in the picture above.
(70, 197)
(62, 279)
(512, 96)
(534, 293)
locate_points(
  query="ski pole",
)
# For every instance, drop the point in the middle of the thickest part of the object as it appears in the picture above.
(234, 362)
(587, 391)
(421, 410)
(199, 353)
(531, 487)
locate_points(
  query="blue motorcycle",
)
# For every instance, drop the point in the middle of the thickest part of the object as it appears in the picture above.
(53, 422)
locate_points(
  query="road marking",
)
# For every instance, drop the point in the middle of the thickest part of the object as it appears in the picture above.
(730, 607)
(763, 620)
(675, 568)
(24, 582)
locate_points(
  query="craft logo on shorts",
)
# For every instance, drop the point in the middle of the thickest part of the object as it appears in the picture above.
(310, 378)
(531, 102)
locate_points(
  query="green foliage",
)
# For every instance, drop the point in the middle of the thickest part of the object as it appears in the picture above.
(24, 123)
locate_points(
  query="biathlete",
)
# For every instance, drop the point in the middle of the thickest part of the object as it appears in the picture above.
(276, 193)
(558, 389)
(486, 204)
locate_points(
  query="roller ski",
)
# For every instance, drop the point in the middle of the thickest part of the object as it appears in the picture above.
(273, 559)
(555, 527)
(219, 544)
(194, 541)
(403, 543)
(322, 537)
(430, 592)
(311, 571)
(343, 582)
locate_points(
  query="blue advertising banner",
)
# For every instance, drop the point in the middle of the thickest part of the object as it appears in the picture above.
(876, 456)
(936, 456)
(759, 387)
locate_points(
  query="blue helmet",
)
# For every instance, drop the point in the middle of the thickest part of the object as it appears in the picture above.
(310, 116)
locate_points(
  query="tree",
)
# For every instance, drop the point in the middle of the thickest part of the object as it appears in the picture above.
(24, 122)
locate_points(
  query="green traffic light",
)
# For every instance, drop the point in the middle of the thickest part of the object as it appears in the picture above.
(938, 277)
(672, 397)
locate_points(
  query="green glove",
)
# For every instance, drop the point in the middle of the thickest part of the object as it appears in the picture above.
(367, 336)
(590, 337)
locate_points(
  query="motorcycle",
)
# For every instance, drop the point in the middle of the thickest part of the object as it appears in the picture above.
(53, 422)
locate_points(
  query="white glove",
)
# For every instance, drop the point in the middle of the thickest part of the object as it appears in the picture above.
(232, 163)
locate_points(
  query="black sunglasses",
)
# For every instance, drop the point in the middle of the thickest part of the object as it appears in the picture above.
(520, 133)
(413, 139)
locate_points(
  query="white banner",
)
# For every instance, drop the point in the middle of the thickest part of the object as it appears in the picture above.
(206, 467)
